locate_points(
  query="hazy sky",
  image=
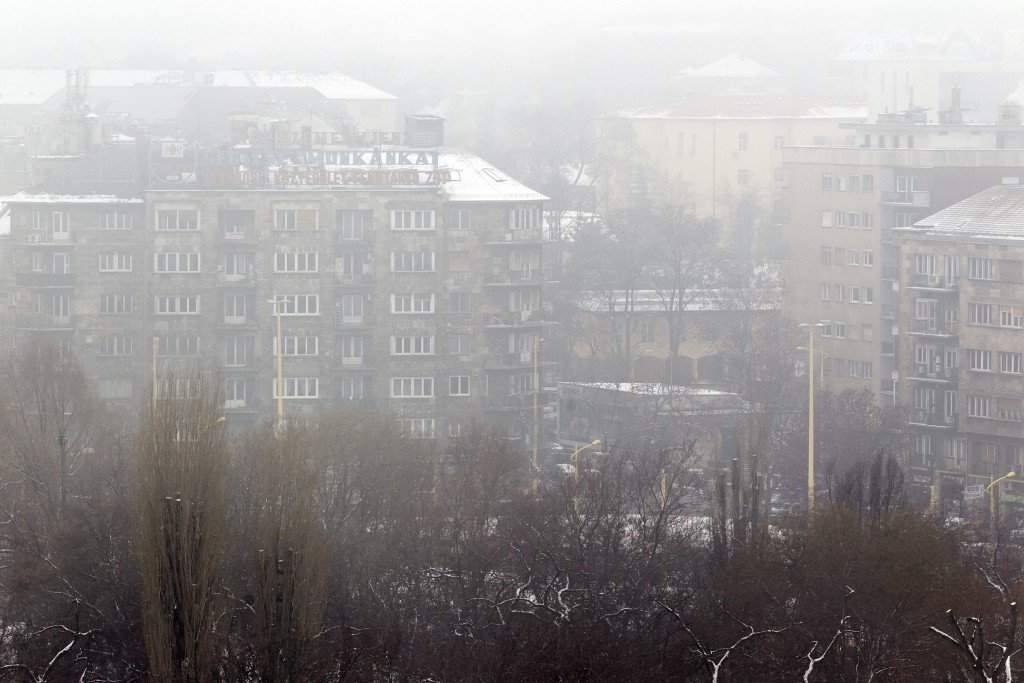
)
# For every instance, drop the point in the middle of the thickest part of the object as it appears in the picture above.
(382, 38)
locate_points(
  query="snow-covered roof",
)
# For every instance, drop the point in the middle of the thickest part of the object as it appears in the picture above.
(994, 213)
(35, 86)
(748, 109)
(698, 301)
(33, 198)
(475, 180)
(670, 399)
(730, 66)
(650, 388)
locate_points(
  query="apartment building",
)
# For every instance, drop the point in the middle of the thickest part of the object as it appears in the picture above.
(711, 153)
(961, 308)
(841, 263)
(406, 279)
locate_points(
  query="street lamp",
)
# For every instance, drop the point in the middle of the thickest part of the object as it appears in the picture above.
(574, 459)
(993, 506)
(279, 358)
(810, 411)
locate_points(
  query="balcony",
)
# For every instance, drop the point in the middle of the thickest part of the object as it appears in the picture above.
(516, 278)
(921, 199)
(926, 372)
(44, 280)
(929, 418)
(42, 322)
(932, 282)
(523, 237)
(346, 279)
(511, 319)
(933, 328)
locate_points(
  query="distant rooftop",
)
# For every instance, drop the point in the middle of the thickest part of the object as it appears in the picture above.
(35, 86)
(475, 180)
(749, 107)
(730, 66)
(994, 213)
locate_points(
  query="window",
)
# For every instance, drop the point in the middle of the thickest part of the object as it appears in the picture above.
(238, 349)
(460, 344)
(299, 387)
(979, 406)
(293, 219)
(743, 177)
(352, 306)
(779, 142)
(853, 183)
(235, 223)
(458, 385)
(924, 264)
(116, 345)
(1011, 316)
(827, 219)
(298, 345)
(353, 225)
(117, 220)
(742, 142)
(949, 403)
(178, 345)
(235, 308)
(238, 263)
(298, 304)
(414, 345)
(115, 262)
(1010, 362)
(460, 302)
(234, 392)
(867, 183)
(459, 219)
(840, 330)
(979, 314)
(417, 427)
(36, 262)
(177, 219)
(179, 304)
(60, 225)
(117, 304)
(180, 388)
(980, 360)
(826, 182)
(853, 257)
(825, 292)
(979, 268)
(176, 262)
(352, 388)
(647, 331)
(861, 369)
(854, 294)
(296, 262)
(839, 219)
(412, 387)
(923, 447)
(869, 295)
(924, 399)
(826, 256)
(412, 261)
(867, 219)
(415, 303)
(867, 258)
(351, 347)
(524, 218)
(412, 219)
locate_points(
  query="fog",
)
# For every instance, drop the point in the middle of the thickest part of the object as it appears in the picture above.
(511, 341)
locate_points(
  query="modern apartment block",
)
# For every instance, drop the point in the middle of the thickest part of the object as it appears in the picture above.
(961, 308)
(406, 278)
(841, 204)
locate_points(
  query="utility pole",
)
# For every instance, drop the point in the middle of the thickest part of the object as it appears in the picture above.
(810, 420)
(536, 410)
(156, 352)
(279, 423)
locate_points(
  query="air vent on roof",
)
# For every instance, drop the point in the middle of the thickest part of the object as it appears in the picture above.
(494, 175)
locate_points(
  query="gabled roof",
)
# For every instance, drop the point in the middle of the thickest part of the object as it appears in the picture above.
(994, 213)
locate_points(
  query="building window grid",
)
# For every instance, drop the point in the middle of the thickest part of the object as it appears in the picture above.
(412, 387)
(176, 262)
(298, 387)
(115, 262)
(177, 220)
(296, 262)
(413, 219)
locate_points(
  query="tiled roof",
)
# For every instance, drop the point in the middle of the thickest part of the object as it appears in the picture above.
(997, 212)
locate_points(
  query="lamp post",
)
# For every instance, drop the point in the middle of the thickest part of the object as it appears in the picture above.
(279, 360)
(993, 503)
(574, 459)
(811, 327)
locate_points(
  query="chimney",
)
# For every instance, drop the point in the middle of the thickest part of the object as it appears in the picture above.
(424, 130)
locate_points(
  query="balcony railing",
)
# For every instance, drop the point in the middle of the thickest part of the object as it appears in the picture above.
(931, 418)
(915, 198)
(932, 281)
(514, 319)
(512, 278)
(929, 371)
(935, 328)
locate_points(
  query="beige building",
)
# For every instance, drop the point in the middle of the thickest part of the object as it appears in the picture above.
(961, 313)
(709, 155)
